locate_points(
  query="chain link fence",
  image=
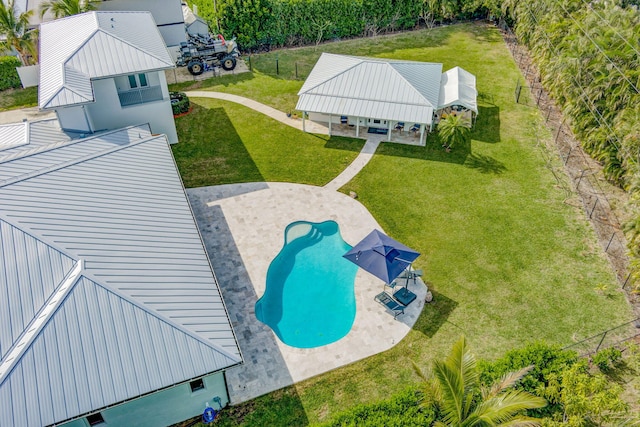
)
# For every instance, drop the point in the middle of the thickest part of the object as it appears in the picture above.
(585, 179)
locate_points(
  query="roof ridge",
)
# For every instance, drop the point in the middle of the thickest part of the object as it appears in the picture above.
(335, 75)
(67, 163)
(59, 144)
(159, 316)
(435, 107)
(49, 308)
(109, 33)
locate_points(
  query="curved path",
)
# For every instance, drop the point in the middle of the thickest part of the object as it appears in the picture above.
(350, 171)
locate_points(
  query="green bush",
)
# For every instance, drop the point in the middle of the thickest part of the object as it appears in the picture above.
(403, 409)
(179, 102)
(607, 359)
(548, 362)
(8, 75)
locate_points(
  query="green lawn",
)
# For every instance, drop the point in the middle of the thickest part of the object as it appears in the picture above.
(11, 99)
(507, 260)
(222, 142)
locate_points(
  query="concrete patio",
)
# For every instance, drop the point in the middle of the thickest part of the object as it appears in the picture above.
(242, 226)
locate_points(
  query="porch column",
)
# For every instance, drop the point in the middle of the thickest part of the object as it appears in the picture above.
(329, 124)
(357, 127)
(422, 133)
(389, 131)
(304, 129)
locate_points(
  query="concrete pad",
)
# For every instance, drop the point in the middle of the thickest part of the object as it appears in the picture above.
(243, 229)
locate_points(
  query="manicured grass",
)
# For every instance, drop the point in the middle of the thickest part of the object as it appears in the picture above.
(12, 99)
(222, 142)
(507, 260)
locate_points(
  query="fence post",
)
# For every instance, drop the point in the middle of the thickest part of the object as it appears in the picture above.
(610, 240)
(548, 114)
(539, 95)
(277, 66)
(296, 70)
(594, 208)
(568, 155)
(250, 67)
(580, 180)
(601, 341)
(626, 280)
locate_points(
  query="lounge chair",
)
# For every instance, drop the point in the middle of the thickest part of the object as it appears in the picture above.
(411, 274)
(390, 303)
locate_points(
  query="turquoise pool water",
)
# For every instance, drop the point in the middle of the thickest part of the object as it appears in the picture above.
(309, 300)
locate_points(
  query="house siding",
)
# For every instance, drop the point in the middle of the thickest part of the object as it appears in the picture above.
(164, 407)
(106, 112)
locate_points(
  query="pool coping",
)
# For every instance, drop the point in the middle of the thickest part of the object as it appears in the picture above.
(242, 226)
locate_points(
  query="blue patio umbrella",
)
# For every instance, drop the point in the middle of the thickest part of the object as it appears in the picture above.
(382, 256)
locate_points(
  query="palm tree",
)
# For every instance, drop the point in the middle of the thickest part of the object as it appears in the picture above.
(454, 130)
(14, 27)
(465, 404)
(62, 8)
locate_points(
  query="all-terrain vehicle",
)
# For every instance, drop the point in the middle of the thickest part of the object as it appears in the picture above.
(201, 53)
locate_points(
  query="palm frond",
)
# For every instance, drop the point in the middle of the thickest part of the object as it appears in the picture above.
(507, 381)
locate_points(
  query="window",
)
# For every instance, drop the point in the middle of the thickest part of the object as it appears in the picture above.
(137, 80)
(196, 385)
(376, 121)
(95, 419)
(132, 82)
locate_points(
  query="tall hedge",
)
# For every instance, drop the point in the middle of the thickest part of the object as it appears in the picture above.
(8, 75)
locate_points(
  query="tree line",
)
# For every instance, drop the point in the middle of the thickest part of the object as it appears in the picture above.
(277, 23)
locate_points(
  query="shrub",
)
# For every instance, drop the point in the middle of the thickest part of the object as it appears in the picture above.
(607, 359)
(403, 409)
(179, 102)
(548, 363)
(8, 75)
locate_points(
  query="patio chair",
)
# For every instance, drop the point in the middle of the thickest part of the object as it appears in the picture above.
(387, 300)
(344, 120)
(415, 127)
(400, 126)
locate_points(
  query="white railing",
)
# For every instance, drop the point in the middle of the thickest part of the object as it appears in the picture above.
(140, 96)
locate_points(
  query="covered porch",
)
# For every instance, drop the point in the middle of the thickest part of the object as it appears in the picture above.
(365, 128)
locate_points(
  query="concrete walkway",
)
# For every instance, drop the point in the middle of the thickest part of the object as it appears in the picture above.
(32, 113)
(261, 108)
(347, 175)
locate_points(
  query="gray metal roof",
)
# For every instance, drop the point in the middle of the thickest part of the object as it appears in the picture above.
(12, 135)
(92, 45)
(106, 291)
(372, 87)
(458, 87)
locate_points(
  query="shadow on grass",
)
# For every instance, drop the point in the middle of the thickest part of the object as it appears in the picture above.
(344, 143)
(432, 151)
(485, 164)
(281, 408)
(204, 159)
(226, 80)
(435, 314)
(487, 127)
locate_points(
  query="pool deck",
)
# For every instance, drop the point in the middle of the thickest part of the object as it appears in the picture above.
(242, 226)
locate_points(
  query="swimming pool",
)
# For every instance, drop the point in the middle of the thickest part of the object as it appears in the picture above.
(309, 300)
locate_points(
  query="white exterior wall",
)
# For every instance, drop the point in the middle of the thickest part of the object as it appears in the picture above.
(164, 407)
(106, 113)
(74, 118)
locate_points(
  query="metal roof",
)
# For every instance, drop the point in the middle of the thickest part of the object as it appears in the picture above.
(93, 45)
(106, 292)
(12, 135)
(372, 87)
(458, 87)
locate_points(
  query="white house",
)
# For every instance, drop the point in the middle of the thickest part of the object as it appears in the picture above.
(382, 94)
(105, 70)
(109, 308)
(110, 312)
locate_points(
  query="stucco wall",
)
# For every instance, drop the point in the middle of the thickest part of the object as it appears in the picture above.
(106, 113)
(165, 407)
